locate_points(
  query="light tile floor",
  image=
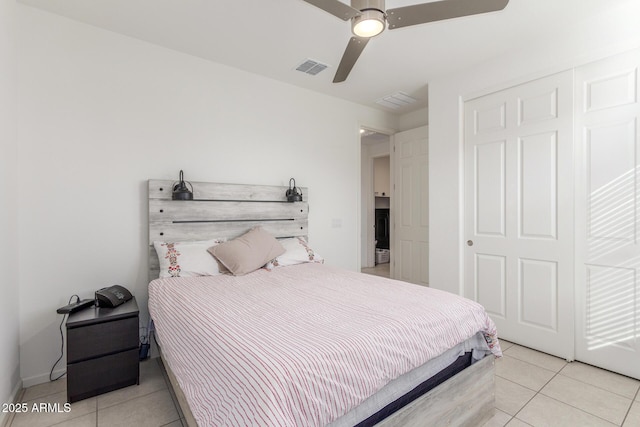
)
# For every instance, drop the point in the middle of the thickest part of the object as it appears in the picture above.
(536, 389)
(532, 389)
(379, 270)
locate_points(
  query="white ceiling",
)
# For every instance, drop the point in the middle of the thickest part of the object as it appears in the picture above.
(271, 37)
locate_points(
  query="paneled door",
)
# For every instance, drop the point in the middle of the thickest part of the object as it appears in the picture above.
(607, 214)
(410, 214)
(519, 211)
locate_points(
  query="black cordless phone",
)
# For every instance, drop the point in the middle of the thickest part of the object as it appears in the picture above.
(72, 308)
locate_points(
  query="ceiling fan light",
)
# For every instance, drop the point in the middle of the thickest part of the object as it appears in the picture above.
(369, 24)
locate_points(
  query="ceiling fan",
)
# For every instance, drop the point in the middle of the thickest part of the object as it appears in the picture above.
(369, 18)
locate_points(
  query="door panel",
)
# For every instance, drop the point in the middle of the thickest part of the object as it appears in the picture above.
(538, 290)
(607, 220)
(610, 311)
(490, 172)
(538, 107)
(490, 283)
(611, 180)
(489, 118)
(538, 176)
(519, 212)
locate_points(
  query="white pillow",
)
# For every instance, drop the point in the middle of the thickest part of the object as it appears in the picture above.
(187, 259)
(297, 251)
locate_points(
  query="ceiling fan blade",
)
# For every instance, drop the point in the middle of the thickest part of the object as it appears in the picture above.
(440, 10)
(336, 8)
(351, 54)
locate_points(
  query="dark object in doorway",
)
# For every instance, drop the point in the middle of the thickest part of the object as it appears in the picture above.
(383, 233)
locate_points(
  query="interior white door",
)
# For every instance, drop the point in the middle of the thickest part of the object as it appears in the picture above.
(519, 211)
(607, 220)
(410, 213)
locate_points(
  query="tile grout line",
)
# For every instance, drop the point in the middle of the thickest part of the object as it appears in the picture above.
(598, 387)
(633, 400)
(537, 393)
(516, 383)
(559, 372)
(579, 409)
(64, 422)
(513, 416)
(559, 401)
(564, 403)
(576, 379)
(125, 401)
(537, 351)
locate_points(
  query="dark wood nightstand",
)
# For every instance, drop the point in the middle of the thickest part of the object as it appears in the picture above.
(102, 350)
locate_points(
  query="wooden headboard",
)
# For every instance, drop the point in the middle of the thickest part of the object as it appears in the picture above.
(221, 211)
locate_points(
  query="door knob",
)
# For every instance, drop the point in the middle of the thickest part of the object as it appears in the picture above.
(469, 242)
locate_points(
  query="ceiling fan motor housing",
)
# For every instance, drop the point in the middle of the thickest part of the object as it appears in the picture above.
(368, 4)
(372, 21)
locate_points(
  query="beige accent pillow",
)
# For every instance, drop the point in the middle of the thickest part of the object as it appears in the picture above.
(248, 252)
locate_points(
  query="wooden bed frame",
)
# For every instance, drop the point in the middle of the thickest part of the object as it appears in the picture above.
(229, 210)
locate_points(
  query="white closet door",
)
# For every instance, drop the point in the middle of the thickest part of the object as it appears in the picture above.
(410, 251)
(519, 211)
(607, 220)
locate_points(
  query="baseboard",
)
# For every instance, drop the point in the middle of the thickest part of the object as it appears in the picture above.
(42, 378)
(7, 417)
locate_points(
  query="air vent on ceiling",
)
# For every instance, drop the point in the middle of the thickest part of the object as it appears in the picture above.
(396, 100)
(309, 66)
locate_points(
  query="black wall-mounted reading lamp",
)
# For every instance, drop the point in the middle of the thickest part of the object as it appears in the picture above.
(180, 189)
(294, 194)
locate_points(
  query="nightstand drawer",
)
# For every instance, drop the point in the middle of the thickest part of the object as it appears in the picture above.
(102, 338)
(96, 376)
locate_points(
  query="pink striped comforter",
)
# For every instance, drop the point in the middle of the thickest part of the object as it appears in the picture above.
(300, 345)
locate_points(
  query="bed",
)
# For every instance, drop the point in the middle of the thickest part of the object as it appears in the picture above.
(307, 343)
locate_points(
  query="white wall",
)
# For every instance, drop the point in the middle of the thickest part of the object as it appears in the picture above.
(414, 119)
(593, 37)
(9, 355)
(100, 113)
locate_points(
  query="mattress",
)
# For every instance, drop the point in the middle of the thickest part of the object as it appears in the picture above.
(305, 345)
